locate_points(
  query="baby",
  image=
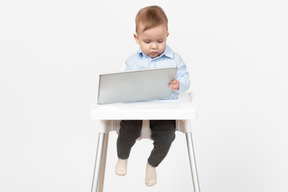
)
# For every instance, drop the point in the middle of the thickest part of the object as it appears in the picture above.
(151, 35)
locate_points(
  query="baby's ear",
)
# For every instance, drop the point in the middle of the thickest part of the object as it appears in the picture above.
(136, 37)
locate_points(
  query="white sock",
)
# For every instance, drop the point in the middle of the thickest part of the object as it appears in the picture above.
(151, 176)
(121, 167)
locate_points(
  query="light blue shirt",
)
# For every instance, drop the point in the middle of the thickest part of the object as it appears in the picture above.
(168, 58)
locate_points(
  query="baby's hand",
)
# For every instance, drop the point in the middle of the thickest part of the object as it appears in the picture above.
(174, 84)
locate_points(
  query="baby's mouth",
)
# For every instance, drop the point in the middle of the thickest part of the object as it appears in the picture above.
(153, 54)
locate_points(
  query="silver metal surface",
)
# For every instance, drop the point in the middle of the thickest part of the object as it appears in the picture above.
(103, 163)
(192, 159)
(131, 86)
(99, 167)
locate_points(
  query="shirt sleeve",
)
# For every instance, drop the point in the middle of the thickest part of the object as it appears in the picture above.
(182, 76)
(130, 63)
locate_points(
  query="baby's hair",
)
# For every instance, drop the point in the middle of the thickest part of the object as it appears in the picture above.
(151, 16)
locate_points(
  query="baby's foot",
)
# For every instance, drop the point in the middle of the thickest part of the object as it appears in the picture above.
(151, 176)
(121, 167)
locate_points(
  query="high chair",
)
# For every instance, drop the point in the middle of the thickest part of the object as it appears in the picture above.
(109, 116)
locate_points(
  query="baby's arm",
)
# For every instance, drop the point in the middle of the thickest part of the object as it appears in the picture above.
(182, 76)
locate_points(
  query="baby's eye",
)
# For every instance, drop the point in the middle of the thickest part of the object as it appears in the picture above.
(160, 41)
(147, 42)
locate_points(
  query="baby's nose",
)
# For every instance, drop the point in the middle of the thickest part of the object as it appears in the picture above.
(154, 45)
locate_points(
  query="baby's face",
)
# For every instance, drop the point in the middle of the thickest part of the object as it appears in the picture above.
(152, 41)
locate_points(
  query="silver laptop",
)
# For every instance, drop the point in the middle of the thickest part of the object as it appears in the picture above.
(132, 86)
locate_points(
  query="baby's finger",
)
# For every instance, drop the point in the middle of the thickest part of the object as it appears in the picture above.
(174, 81)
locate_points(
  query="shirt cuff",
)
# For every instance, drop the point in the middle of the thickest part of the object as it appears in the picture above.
(181, 86)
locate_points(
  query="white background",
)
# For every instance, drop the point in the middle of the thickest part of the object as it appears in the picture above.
(52, 51)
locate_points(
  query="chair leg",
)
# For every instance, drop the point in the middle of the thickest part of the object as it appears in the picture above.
(103, 163)
(192, 159)
(100, 161)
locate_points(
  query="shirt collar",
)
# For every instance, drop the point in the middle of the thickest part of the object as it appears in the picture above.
(167, 52)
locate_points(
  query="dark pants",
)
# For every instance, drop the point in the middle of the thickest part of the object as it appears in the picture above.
(162, 132)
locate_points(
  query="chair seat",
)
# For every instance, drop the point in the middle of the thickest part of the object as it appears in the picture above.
(114, 125)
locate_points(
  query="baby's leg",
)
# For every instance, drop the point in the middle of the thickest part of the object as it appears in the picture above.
(163, 134)
(130, 130)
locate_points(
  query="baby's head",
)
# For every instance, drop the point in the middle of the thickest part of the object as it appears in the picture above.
(149, 17)
(151, 30)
